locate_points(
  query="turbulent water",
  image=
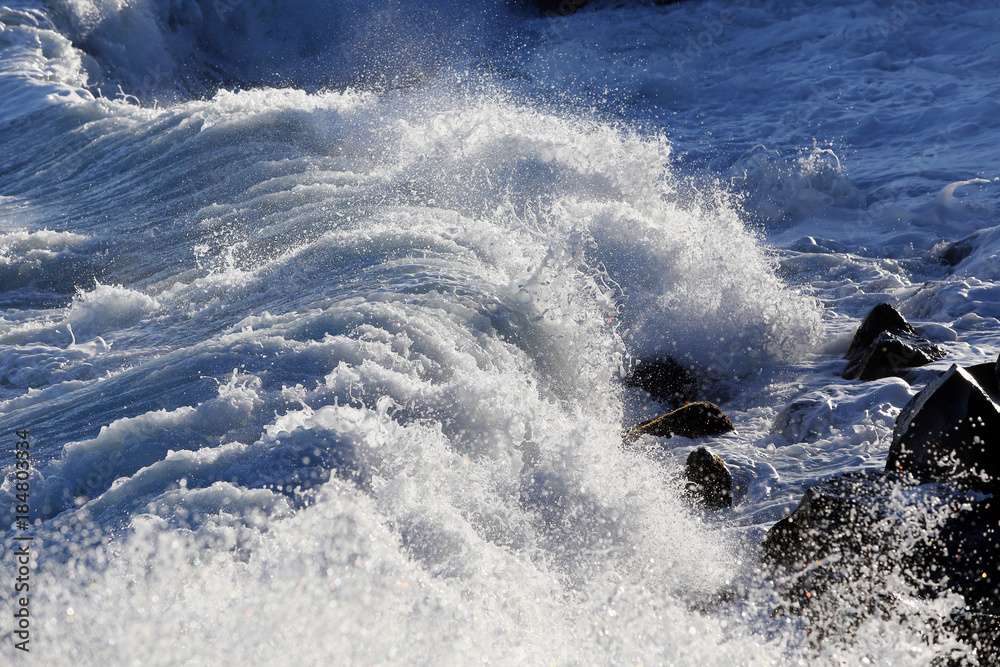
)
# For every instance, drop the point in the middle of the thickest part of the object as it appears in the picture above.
(317, 314)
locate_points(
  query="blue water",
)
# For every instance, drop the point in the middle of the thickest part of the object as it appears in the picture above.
(317, 313)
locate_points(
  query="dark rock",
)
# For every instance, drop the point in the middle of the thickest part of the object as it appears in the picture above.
(709, 481)
(965, 559)
(833, 558)
(691, 421)
(882, 317)
(837, 514)
(885, 345)
(969, 552)
(843, 552)
(954, 253)
(665, 380)
(949, 432)
(890, 355)
(927, 526)
(981, 632)
(985, 376)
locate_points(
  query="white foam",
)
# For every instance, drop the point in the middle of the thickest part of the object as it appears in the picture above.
(47, 350)
(38, 67)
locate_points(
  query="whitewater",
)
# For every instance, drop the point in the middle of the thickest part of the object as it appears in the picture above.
(317, 315)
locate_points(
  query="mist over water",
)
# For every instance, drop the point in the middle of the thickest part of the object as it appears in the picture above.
(317, 314)
(157, 49)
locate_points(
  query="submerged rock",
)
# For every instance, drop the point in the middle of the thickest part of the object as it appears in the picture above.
(950, 432)
(691, 421)
(953, 254)
(885, 345)
(709, 481)
(665, 380)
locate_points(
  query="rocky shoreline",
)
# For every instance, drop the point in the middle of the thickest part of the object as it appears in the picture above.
(927, 522)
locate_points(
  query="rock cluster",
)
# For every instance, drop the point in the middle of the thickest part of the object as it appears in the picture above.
(855, 538)
(928, 522)
(886, 344)
(708, 482)
(929, 517)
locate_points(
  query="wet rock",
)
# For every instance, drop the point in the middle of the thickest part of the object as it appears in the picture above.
(859, 540)
(805, 419)
(978, 631)
(886, 345)
(928, 525)
(953, 254)
(892, 355)
(709, 482)
(967, 551)
(837, 515)
(985, 376)
(665, 380)
(691, 421)
(949, 432)
(882, 317)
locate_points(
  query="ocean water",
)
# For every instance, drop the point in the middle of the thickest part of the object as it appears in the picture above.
(317, 313)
